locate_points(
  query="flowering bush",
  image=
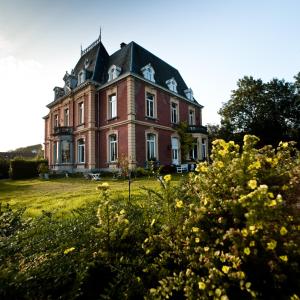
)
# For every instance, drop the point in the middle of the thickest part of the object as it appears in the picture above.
(239, 237)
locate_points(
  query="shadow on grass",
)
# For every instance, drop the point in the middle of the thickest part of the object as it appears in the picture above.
(8, 185)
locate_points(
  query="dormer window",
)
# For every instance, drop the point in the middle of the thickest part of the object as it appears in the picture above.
(189, 93)
(172, 85)
(148, 72)
(81, 77)
(113, 72)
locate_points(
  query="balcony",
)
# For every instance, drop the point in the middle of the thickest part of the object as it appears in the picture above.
(63, 130)
(197, 129)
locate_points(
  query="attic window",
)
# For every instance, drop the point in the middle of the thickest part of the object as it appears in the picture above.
(189, 93)
(113, 72)
(81, 77)
(172, 85)
(148, 72)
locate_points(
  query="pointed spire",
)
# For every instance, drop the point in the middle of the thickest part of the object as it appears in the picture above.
(81, 49)
(100, 34)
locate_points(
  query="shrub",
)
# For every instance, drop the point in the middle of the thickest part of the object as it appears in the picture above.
(238, 235)
(4, 168)
(168, 169)
(22, 169)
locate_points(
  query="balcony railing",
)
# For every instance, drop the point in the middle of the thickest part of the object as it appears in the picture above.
(197, 129)
(63, 130)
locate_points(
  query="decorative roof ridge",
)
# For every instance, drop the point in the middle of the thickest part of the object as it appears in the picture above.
(91, 46)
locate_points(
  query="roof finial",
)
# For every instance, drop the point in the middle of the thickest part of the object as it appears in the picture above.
(81, 49)
(100, 34)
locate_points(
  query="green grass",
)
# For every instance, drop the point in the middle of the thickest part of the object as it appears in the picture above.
(61, 196)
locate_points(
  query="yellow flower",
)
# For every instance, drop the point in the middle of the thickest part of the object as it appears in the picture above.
(104, 186)
(252, 184)
(255, 166)
(225, 269)
(244, 232)
(69, 250)
(283, 258)
(252, 228)
(283, 230)
(247, 251)
(179, 203)
(206, 249)
(201, 285)
(252, 244)
(197, 240)
(167, 178)
(223, 152)
(284, 145)
(272, 203)
(195, 229)
(220, 164)
(201, 168)
(122, 212)
(218, 292)
(271, 245)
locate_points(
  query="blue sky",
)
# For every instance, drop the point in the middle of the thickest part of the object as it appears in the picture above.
(211, 43)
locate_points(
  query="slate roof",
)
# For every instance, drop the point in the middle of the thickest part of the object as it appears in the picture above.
(131, 58)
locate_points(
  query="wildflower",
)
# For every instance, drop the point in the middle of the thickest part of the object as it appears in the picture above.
(197, 240)
(247, 251)
(201, 168)
(179, 203)
(104, 186)
(283, 230)
(271, 245)
(220, 165)
(279, 198)
(167, 178)
(248, 284)
(252, 244)
(223, 152)
(284, 258)
(225, 269)
(252, 184)
(122, 212)
(272, 203)
(244, 232)
(284, 145)
(206, 249)
(69, 250)
(195, 229)
(255, 166)
(252, 228)
(201, 285)
(218, 292)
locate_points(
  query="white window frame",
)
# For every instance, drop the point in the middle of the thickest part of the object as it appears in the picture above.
(151, 141)
(68, 160)
(56, 122)
(174, 112)
(81, 77)
(203, 148)
(192, 116)
(113, 72)
(150, 105)
(81, 151)
(194, 151)
(81, 113)
(148, 72)
(66, 117)
(175, 150)
(113, 147)
(172, 85)
(112, 106)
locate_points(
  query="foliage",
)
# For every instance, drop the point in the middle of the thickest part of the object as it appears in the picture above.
(4, 168)
(186, 139)
(43, 168)
(20, 168)
(269, 110)
(123, 165)
(238, 235)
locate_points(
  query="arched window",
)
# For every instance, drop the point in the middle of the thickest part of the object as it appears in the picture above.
(113, 72)
(172, 85)
(148, 72)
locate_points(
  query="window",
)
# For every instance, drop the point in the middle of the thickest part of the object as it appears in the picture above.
(191, 117)
(148, 72)
(151, 148)
(81, 77)
(172, 85)
(194, 151)
(113, 148)
(80, 113)
(66, 117)
(112, 106)
(175, 150)
(56, 121)
(55, 152)
(81, 151)
(174, 113)
(189, 94)
(150, 105)
(203, 149)
(65, 152)
(113, 72)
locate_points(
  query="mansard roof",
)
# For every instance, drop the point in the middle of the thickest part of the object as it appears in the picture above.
(131, 58)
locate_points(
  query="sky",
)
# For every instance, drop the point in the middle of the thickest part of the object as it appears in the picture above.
(212, 44)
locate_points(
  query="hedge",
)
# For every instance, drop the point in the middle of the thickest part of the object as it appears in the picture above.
(22, 169)
(4, 168)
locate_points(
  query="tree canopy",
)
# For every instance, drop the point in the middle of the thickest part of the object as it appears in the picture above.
(269, 110)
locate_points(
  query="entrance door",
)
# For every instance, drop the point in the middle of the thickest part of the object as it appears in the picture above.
(175, 151)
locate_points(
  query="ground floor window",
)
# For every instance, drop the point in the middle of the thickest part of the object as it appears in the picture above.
(81, 151)
(65, 152)
(151, 149)
(204, 154)
(194, 151)
(55, 152)
(113, 147)
(175, 150)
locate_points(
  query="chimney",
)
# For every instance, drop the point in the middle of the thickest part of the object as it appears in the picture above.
(122, 45)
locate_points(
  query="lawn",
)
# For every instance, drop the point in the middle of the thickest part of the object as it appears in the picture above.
(61, 196)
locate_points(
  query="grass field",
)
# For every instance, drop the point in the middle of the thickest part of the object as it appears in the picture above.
(60, 196)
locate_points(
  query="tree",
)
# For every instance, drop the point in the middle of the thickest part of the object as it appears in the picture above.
(186, 139)
(269, 110)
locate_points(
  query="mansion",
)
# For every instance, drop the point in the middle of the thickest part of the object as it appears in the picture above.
(126, 104)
